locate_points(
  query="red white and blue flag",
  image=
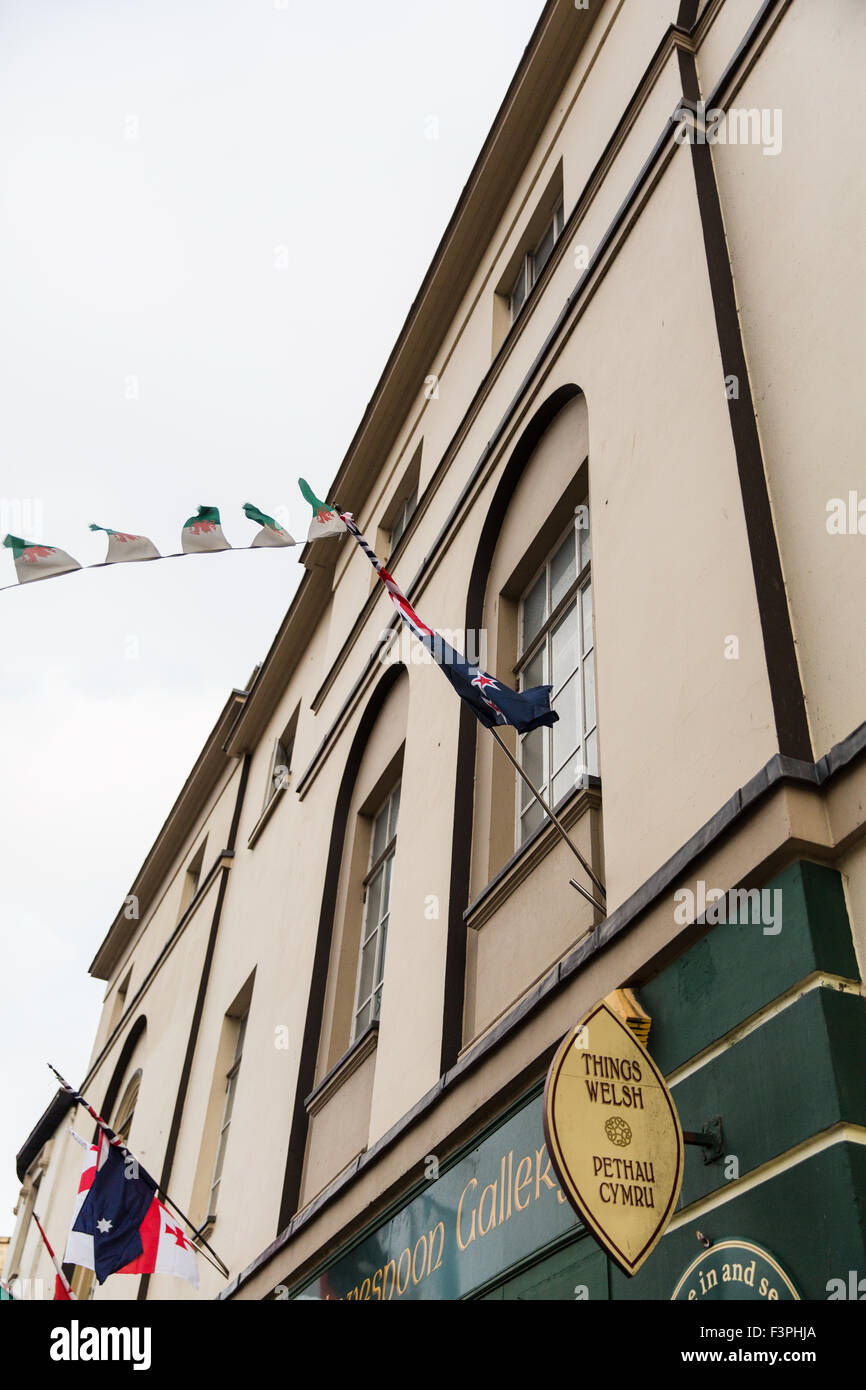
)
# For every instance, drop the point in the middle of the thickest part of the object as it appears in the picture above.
(492, 702)
(119, 1226)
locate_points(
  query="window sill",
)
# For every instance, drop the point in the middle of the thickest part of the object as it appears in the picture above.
(266, 815)
(525, 860)
(349, 1063)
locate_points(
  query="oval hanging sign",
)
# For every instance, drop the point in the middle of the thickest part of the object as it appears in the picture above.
(735, 1269)
(614, 1136)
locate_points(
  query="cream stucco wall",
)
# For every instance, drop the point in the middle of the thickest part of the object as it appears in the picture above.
(681, 726)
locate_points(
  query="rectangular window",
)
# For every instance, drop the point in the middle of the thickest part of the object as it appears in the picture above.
(403, 517)
(231, 1087)
(557, 649)
(192, 878)
(377, 912)
(534, 261)
(281, 759)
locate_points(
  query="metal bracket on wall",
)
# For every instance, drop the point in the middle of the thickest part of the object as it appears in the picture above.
(710, 1139)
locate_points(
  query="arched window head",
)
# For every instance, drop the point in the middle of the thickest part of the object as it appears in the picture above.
(126, 1108)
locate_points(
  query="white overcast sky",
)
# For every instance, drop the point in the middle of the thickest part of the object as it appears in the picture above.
(160, 160)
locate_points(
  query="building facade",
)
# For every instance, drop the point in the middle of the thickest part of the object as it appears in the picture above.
(616, 449)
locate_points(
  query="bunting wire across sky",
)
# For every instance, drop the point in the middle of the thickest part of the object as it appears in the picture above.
(493, 703)
(201, 534)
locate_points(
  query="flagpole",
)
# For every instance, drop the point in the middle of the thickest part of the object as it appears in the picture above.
(391, 586)
(119, 1144)
(560, 827)
(57, 1265)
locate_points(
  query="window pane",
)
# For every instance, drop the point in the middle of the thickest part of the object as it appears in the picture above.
(374, 902)
(221, 1153)
(383, 942)
(565, 738)
(588, 694)
(362, 1019)
(368, 963)
(533, 672)
(380, 834)
(559, 220)
(230, 1099)
(534, 610)
(565, 781)
(398, 528)
(586, 606)
(530, 820)
(388, 866)
(565, 648)
(563, 571)
(377, 1003)
(542, 255)
(532, 760)
(518, 293)
(395, 807)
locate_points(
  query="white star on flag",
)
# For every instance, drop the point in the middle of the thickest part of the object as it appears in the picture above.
(104, 1226)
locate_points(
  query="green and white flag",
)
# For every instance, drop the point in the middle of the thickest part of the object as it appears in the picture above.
(203, 532)
(325, 521)
(38, 561)
(271, 533)
(122, 545)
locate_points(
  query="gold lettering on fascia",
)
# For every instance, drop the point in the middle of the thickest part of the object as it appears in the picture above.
(480, 1210)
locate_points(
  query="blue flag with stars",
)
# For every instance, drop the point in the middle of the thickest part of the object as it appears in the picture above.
(492, 702)
(114, 1208)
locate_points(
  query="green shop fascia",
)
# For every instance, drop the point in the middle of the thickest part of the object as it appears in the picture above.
(790, 1088)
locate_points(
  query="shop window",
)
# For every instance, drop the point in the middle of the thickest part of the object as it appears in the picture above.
(556, 648)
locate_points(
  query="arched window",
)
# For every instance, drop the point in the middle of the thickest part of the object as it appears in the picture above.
(377, 913)
(556, 648)
(531, 595)
(360, 897)
(126, 1108)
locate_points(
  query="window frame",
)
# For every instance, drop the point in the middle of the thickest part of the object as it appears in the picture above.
(541, 642)
(400, 524)
(530, 272)
(225, 1124)
(375, 867)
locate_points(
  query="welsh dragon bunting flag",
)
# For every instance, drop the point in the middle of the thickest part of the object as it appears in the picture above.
(203, 532)
(38, 561)
(492, 702)
(327, 521)
(124, 546)
(271, 533)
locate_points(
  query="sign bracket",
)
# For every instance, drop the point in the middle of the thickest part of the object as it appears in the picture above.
(710, 1139)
